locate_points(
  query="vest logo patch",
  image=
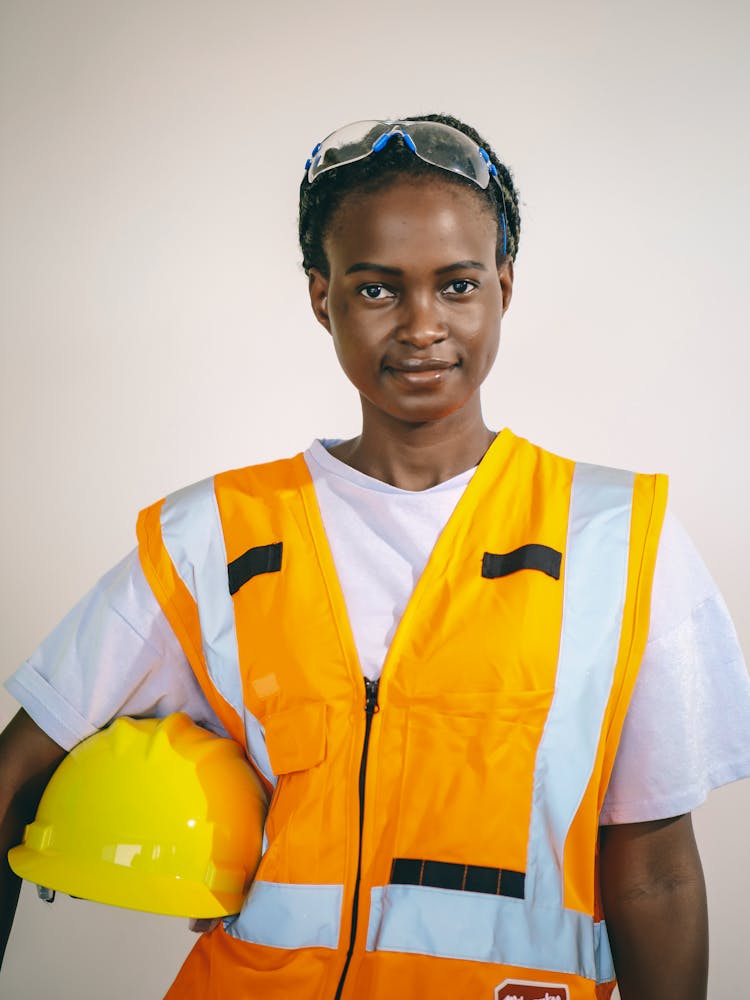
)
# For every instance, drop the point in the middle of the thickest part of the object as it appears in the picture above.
(517, 989)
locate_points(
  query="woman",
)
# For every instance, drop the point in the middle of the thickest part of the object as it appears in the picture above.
(427, 639)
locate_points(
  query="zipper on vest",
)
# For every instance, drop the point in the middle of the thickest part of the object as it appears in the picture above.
(371, 707)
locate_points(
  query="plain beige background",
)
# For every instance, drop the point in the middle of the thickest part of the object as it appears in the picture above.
(155, 327)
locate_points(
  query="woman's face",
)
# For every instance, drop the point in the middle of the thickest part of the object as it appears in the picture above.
(415, 298)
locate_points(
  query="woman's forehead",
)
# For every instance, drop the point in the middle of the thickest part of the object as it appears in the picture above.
(412, 215)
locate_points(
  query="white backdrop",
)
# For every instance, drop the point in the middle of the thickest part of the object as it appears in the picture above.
(155, 326)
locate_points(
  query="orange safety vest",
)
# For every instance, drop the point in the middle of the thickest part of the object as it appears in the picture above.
(434, 835)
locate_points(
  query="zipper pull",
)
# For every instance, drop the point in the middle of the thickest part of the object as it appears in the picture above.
(371, 696)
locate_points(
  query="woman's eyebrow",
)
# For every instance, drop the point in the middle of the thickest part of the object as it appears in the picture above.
(462, 265)
(367, 266)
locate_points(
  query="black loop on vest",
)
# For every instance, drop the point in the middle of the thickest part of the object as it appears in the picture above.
(260, 559)
(465, 878)
(541, 557)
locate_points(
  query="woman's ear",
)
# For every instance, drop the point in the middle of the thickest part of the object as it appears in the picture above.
(318, 289)
(505, 275)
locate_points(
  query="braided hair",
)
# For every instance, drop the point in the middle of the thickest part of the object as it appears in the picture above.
(319, 201)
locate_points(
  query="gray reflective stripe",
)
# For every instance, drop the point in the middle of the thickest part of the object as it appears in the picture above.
(596, 566)
(193, 536)
(255, 737)
(281, 915)
(477, 927)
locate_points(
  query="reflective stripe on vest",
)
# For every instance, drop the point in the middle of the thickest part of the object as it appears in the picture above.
(193, 537)
(290, 916)
(598, 535)
(472, 926)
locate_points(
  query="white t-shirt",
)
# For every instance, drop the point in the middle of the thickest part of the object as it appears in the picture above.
(685, 733)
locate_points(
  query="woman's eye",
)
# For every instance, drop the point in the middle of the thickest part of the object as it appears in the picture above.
(461, 286)
(375, 292)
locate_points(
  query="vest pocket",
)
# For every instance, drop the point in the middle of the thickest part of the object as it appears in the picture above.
(297, 741)
(467, 778)
(296, 737)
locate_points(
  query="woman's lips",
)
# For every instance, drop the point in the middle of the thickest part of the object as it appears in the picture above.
(421, 371)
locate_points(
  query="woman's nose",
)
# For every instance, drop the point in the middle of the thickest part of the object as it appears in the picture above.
(422, 323)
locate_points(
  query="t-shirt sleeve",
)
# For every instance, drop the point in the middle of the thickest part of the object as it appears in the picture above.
(687, 730)
(113, 654)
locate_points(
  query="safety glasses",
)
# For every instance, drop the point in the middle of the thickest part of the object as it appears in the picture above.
(441, 145)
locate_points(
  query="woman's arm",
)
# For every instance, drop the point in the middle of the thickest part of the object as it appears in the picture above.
(654, 901)
(28, 758)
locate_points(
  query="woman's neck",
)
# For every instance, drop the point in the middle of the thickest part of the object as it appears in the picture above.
(418, 456)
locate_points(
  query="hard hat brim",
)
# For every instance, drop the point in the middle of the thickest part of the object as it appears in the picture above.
(119, 885)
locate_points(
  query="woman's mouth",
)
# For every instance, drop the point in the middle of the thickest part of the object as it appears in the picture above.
(421, 371)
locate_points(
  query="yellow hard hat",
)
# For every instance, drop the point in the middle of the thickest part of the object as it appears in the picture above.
(149, 814)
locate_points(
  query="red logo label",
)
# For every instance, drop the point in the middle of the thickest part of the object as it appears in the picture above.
(518, 989)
